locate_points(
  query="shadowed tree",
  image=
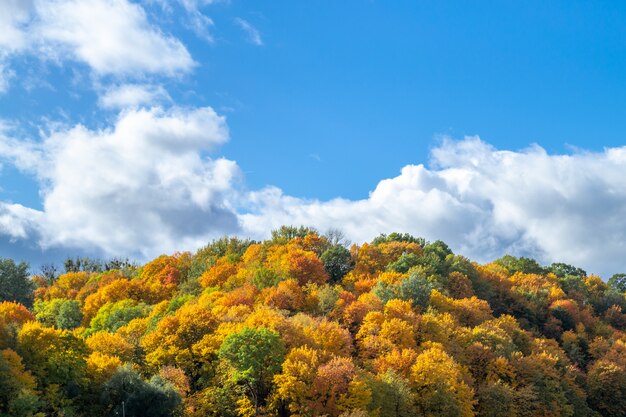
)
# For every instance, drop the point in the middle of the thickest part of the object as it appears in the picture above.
(127, 392)
(337, 262)
(14, 282)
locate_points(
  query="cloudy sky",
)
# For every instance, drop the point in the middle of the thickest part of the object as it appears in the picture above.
(134, 128)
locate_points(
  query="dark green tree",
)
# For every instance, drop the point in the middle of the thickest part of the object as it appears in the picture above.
(525, 265)
(337, 262)
(496, 400)
(15, 285)
(82, 264)
(405, 262)
(127, 392)
(393, 396)
(398, 237)
(563, 270)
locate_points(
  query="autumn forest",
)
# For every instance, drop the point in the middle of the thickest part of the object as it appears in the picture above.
(306, 324)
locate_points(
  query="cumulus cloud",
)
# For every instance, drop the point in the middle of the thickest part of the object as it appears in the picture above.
(111, 37)
(17, 221)
(252, 34)
(145, 186)
(132, 95)
(484, 202)
(141, 187)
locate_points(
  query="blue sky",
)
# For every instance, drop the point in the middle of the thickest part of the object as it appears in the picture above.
(141, 127)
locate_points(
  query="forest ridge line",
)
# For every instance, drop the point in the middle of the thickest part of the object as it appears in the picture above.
(304, 324)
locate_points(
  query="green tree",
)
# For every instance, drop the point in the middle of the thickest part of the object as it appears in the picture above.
(264, 277)
(47, 311)
(405, 262)
(393, 396)
(618, 282)
(55, 357)
(138, 398)
(59, 312)
(416, 289)
(15, 284)
(398, 237)
(231, 247)
(112, 316)
(607, 388)
(255, 355)
(285, 233)
(525, 265)
(327, 297)
(337, 262)
(496, 400)
(563, 270)
(70, 315)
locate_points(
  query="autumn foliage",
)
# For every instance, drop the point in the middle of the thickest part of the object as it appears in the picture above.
(300, 325)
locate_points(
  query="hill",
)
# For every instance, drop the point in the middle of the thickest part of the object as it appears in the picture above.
(303, 325)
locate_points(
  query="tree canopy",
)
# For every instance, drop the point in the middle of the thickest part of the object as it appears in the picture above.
(302, 325)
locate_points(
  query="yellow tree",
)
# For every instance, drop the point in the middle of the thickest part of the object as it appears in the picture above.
(293, 384)
(18, 397)
(439, 385)
(12, 317)
(100, 367)
(111, 344)
(173, 340)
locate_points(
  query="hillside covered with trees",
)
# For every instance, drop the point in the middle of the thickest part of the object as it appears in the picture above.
(305, 325)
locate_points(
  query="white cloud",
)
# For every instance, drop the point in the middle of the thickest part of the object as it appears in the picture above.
(17, 221)
(112, 37)
(144, 187)
(132, 95)
(484, 203)
(252, 34)
(141, 187)
(14, 15)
